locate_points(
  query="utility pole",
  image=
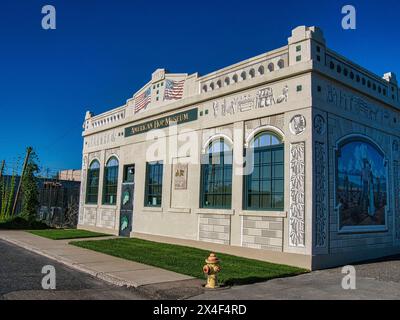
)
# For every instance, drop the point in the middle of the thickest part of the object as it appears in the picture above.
(3, 163)
(28, 154)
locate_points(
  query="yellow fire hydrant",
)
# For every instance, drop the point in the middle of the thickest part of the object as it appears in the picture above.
(211, 269)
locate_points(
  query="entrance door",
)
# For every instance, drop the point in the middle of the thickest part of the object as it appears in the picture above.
(127, 201)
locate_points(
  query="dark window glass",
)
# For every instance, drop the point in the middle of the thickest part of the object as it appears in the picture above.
(332, 65)
(154, 181)
(129, 173)
(216, 176)
(264, 187)
(92, 189)
(111, 182)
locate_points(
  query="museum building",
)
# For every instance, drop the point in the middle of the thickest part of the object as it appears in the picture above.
(291, 156)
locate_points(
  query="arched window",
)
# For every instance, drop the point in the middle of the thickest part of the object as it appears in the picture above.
(271, 67)
(216, 176)
(219, 84)
(205, 88)
(212, 87)
(227, 81)
(261, 70)
(243, 75)
(111, 182)
(281, 64)
(92, 188)
(235, 78)
(264, 185)
(252, 73)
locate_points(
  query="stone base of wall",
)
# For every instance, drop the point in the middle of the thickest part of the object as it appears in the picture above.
(89, 216)
(108, 219)
(262, 233)
(215, 228)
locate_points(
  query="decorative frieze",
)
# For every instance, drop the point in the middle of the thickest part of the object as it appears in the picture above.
(361, 108)
(321, 205)
(297, 194)
(250, 101)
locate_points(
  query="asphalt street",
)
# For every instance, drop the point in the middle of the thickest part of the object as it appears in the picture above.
(21, 278)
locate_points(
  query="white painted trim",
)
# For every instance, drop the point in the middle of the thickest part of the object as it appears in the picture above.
(215, 211)
(215, 137)
(272, 214)
(262, 128)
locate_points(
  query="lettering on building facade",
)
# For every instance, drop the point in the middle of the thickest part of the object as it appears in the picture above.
(160, 123)
(359, 107)
(247, 102)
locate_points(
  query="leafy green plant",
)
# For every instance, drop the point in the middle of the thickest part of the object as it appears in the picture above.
(7, 193)
(30, 196)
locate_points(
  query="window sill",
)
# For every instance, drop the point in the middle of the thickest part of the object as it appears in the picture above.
(215, 211)
(272, 214)
(91, 205)
(152, 209)
(108, 206)
(179, 210)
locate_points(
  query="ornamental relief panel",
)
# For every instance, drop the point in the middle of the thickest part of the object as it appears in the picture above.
(262, 98)
(360, 107)
(396, 176)
(321, 205)
(297, 195)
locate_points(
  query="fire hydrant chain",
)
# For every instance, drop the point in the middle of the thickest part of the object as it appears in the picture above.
(211, 269)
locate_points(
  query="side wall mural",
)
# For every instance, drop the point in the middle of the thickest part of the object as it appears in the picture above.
(361, 185)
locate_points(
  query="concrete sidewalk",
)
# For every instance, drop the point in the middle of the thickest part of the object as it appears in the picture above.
(111, 269)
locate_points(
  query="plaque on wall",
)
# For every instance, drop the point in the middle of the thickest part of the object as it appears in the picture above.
(180, 176)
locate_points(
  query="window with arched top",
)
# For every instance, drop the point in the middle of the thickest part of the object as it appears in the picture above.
(271, 67)
(205, 88)
(212, 87)
(281, 64)
(264, 183)
(227, 81)
(261, 70)
(92, 187)
(235, 78)
(361, 184)
(111, 182)
(252, 73)
(243, 75)
(216, 176)
(219, 84)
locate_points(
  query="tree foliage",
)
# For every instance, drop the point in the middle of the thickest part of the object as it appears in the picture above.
(30, 192)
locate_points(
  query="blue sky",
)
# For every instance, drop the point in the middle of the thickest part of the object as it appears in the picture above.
(103, 51)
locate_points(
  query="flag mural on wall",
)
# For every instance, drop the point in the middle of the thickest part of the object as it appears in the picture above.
(142, 100)
(173, 89)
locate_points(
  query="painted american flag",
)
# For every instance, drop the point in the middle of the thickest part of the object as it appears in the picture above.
(173, 89)
(142, 100)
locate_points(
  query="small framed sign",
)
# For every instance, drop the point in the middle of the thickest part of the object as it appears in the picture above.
(180, 176)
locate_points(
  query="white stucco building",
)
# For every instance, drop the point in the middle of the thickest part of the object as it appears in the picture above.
(291, 156)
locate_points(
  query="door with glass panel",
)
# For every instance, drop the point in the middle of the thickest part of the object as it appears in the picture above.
(127, 201)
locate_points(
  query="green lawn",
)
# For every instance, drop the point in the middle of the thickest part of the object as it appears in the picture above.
(190, 261)
(60, 234)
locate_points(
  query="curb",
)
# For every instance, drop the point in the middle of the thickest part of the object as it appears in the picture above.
(119, 282)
